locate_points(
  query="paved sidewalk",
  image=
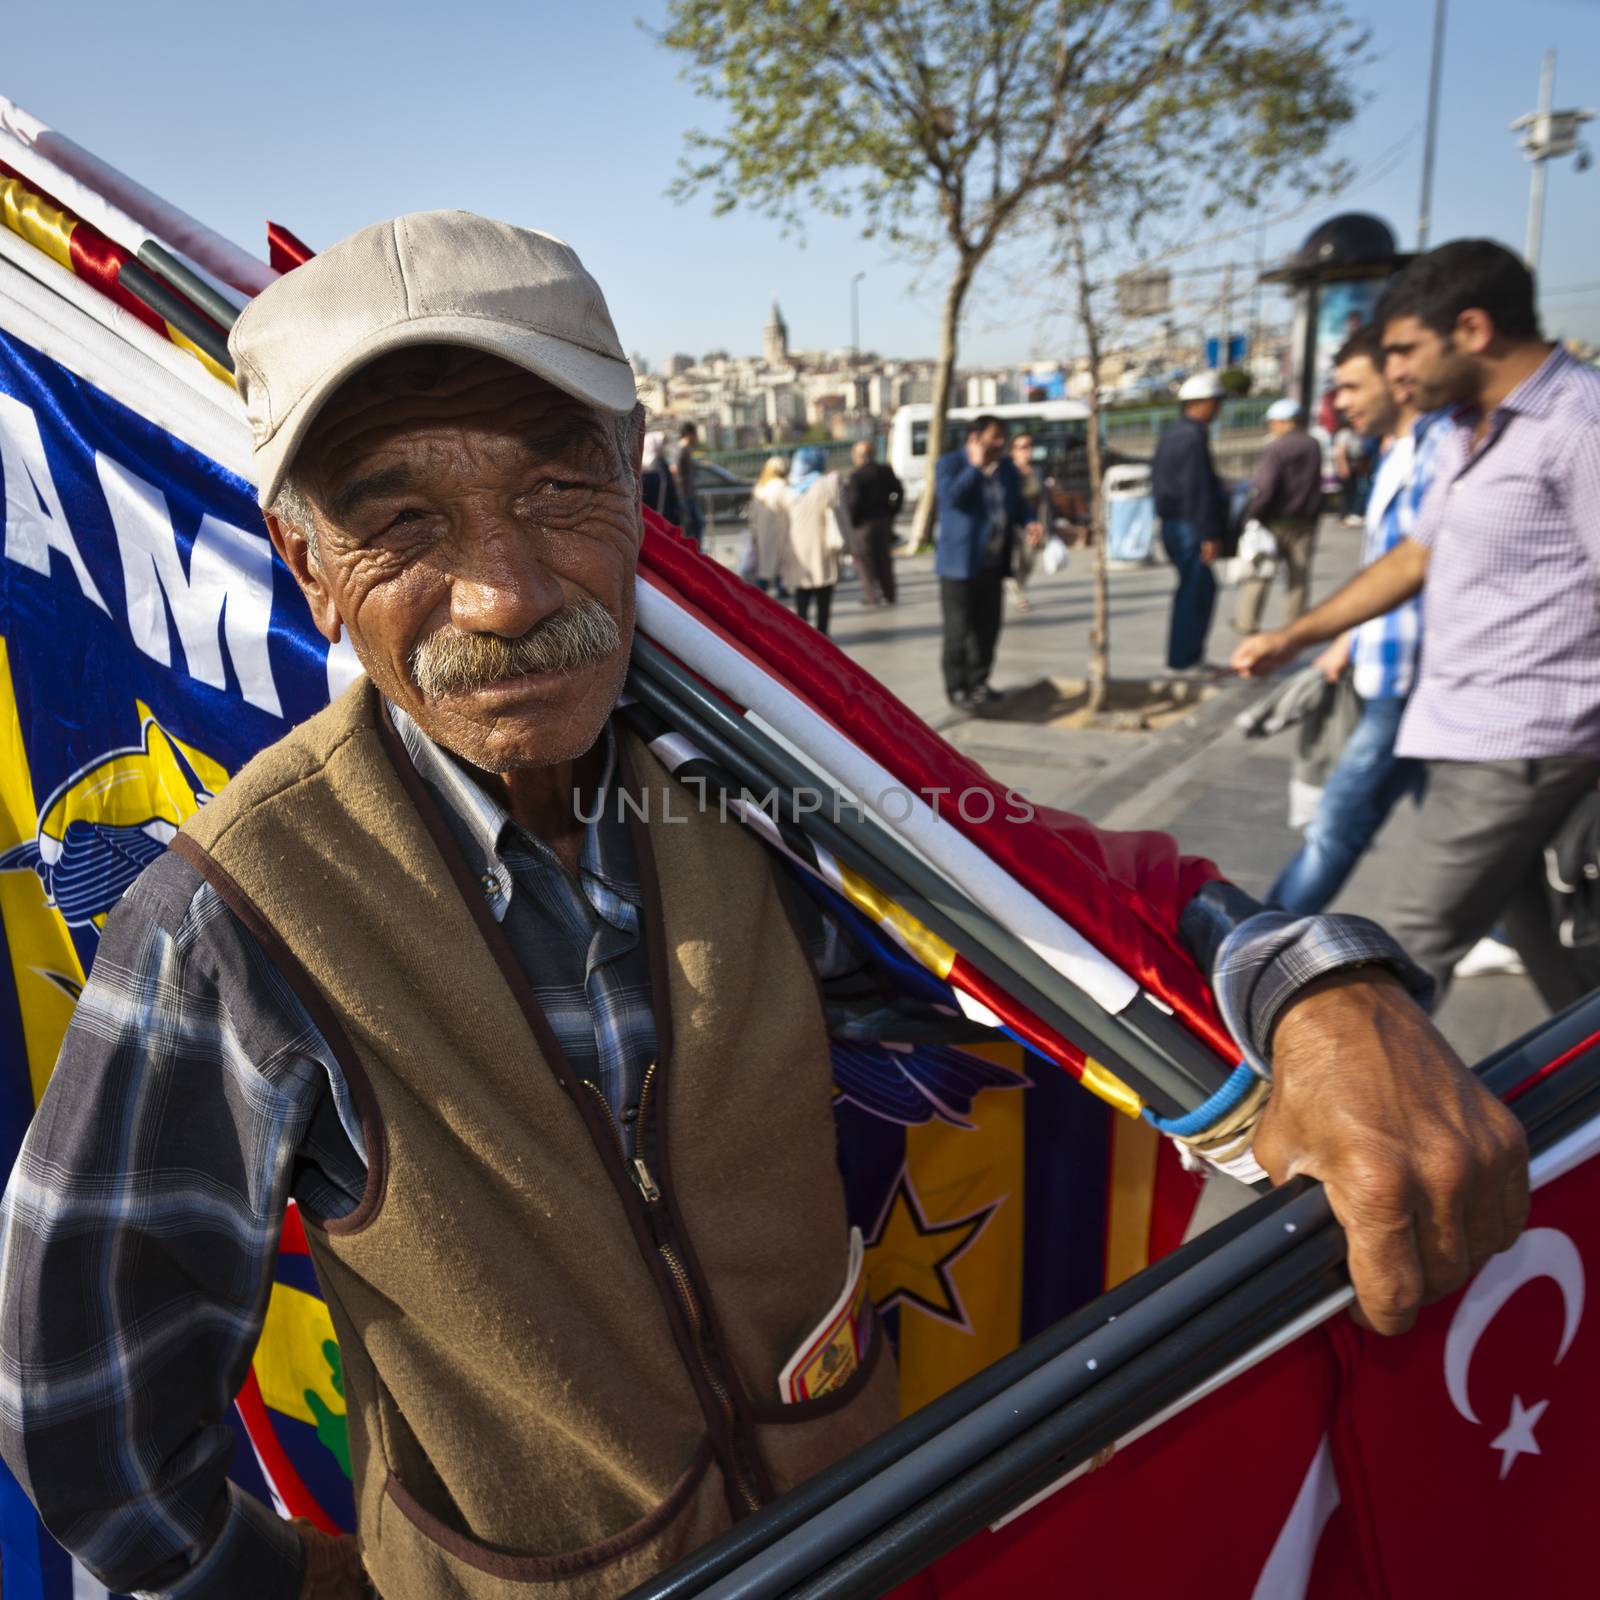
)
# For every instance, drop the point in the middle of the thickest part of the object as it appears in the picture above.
(1224, 796)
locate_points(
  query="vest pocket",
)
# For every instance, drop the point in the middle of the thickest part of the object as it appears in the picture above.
(416, 1556)
(799, 1440)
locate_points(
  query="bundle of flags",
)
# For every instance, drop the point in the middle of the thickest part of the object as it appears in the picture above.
(150, 644)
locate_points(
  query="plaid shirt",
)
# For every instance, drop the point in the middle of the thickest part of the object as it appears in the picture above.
(1511, 609)
(194, 1097)
(1384, 650)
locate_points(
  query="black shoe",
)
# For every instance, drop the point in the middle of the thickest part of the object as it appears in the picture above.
(987, 696)
(963, 700)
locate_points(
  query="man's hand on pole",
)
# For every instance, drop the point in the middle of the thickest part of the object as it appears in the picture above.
(1426, 1170)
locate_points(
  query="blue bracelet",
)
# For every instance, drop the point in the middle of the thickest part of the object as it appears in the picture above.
(1243, 1079)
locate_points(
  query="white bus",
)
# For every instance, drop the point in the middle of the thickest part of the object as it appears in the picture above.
(1060, 431)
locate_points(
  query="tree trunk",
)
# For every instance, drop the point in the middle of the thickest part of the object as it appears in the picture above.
(944, 377)
(1100, 625)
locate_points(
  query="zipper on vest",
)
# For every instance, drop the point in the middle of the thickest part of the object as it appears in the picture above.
(688, 1298)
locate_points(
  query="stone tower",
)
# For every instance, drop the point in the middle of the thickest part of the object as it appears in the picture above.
(775, 339)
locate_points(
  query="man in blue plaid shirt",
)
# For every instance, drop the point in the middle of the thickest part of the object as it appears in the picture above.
(1370, 778)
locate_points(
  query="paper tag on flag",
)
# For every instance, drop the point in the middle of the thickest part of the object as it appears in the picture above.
(834, 1350)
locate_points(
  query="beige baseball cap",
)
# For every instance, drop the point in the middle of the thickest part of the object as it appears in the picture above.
(433, 277)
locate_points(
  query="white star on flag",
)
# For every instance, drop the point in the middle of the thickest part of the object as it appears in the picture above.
(1517, 1439)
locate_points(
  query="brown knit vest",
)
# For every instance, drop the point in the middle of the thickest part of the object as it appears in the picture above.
(561, 1372)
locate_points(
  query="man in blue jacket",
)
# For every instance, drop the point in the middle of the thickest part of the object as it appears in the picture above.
(981, 510)
(1192, 505)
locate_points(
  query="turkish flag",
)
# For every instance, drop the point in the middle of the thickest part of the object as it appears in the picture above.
(1457, 1460)
(1465, 1451)
(1196, 1507)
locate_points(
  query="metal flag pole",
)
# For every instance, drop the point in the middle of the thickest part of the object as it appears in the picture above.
(172, 307)
(1268, 1272)
(1141, 1041)
(168, 267)
(1431, 142)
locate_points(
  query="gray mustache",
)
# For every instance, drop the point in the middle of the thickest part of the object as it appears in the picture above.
(580, 635)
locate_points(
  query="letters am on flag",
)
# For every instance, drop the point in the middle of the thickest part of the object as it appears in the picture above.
(148, 647)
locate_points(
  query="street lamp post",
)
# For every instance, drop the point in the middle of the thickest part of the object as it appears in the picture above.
(1431, 141)
(855, 339)
(1547, 133)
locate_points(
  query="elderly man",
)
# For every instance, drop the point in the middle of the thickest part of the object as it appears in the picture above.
(1285, 495)
(521, 1061)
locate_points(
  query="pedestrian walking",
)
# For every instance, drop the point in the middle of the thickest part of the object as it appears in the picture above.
(1369, 779)
(657, 487)
(873, 497)
(810, 561)
(1506, 709)
(683, 472)
(769, 524)
(1041, 515)
(1352, 467)
(1286, 497)
(981, 514)
(1192, 505)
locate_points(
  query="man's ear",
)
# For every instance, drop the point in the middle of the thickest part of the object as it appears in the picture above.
(295, 549)
(1474, 331)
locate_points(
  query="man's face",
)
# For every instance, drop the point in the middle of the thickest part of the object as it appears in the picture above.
(1022, 452)
(1204, 410)
(1362, 397)
(1426, 367)
(992, 441)
(862, 452)
(463, 506)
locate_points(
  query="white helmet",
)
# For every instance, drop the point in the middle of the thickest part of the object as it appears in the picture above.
(1202, 386)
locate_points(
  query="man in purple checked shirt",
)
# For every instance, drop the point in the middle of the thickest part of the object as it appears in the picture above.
(1506, 710)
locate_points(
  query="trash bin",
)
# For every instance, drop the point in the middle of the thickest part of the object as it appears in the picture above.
(1130, 516)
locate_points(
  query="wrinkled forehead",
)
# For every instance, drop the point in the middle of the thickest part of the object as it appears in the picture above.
(431, 390)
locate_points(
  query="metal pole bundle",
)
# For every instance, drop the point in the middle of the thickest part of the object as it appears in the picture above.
(989, 1446)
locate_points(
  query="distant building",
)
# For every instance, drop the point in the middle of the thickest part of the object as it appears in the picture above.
(775, 339)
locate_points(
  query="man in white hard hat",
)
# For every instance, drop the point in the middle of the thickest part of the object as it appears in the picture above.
(1192, 505)
(399, 971)
(1286, 496)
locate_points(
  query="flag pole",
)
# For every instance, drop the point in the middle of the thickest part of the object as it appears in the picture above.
(937, 915)
(1106, 1035)
(171, 307)
(1269, 1265)
(177, 276)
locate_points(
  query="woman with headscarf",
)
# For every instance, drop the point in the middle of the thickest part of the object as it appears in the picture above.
(769, 525)
(656, 487)
(810, 564)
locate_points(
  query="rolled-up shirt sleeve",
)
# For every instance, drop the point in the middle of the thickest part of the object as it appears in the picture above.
(137, 1237)
(1260, 959)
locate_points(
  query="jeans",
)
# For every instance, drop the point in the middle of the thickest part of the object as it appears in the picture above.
(1363, 788)
(972, 613)
(1196, 598)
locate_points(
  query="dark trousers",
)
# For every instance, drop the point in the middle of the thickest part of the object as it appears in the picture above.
(1478, 861)
(876, 560)
(824, 599)
(1195, 600)
(972, 612)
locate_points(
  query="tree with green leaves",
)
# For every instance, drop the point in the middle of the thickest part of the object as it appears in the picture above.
(948, 127)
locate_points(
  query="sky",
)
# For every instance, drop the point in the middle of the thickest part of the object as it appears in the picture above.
(325, 115)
